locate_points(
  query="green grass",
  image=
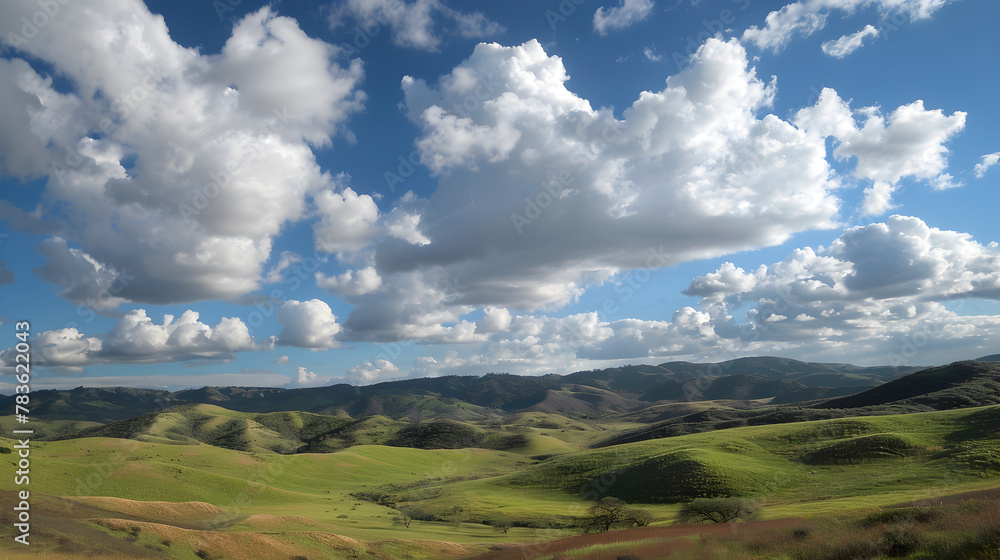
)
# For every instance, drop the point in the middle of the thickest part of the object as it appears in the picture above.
(891, 459)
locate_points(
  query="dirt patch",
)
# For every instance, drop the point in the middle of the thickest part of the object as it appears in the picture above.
(163, 512)
(266, 521)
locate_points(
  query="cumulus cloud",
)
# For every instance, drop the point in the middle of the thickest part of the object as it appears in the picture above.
(174, 168)
(549, 196)
(305, 378)
(628, 12)
(83, 279)
(872, 287)
(136, 339)
(909, 142)
(986, 162)
(495, 319)
(351, 283)
(307, 324)
(535, 344)
(281, 360)
(878, 199)
(809, 16)
(874, 291)
(348, 220)
(847, 44)
(416, 24)
(371, 372)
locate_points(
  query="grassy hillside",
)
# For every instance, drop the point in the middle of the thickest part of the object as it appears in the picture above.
(957, 385)
(855, 457)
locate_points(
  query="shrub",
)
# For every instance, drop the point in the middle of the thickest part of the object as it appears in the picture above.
(900, 515)
(718, 510)
(897, 544)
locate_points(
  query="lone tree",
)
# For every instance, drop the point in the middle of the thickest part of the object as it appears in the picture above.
(501, 525)
(404, 516)
(612, 512)
(718, 510)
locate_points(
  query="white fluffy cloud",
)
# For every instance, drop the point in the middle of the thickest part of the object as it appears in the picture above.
(888, 293)
(351, 283)
(878, 199)
(548, 196)
(307, 324)
(986, 162)
(417, 23)
(870, 289)
(626, 13)
(348, 220)
(371, 372)
(495, 319)
(847, 44)
(909, 142)
(170, 167)
(305, 378)
(809, 16)
(136, 339)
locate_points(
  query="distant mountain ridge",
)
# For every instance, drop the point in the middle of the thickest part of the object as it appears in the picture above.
(965, 384)
(474, 397)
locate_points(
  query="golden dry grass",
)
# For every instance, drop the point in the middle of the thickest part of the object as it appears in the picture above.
(164, 512)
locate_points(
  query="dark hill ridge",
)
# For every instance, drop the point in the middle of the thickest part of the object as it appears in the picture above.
(957, 385)
(581, 393)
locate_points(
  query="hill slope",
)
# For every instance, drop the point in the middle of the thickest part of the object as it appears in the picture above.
(957, 385)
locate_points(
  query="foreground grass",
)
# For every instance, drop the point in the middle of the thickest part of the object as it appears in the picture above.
(969, 530)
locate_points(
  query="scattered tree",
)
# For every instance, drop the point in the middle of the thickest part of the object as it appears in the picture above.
(718, 510)
(404, 516)
(611, 512)
(501, 524)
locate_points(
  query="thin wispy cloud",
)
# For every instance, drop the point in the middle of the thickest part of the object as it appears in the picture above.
(625, 14)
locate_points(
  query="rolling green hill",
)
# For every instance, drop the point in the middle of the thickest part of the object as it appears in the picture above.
(164, 486)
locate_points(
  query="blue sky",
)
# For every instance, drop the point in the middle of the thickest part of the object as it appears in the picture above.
(301, 193)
